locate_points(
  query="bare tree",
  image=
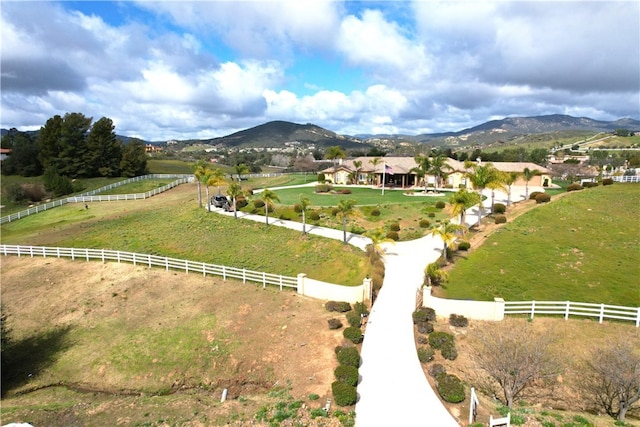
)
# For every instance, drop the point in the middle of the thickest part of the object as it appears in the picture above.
(612, 378)
(515, 357)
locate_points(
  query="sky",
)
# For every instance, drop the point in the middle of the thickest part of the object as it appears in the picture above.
(195, 70)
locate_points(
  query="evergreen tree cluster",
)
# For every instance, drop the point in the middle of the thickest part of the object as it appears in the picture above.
(73, 147)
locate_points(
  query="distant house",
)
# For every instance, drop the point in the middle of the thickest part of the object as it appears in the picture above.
(4, 153)
(150, 148)
(397, 172)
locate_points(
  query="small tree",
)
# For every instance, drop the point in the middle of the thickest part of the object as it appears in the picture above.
(515, 357)
(612, 378)
(268, 196)
(345, 209)
(304, 206)
(448, 232)
(234, 190)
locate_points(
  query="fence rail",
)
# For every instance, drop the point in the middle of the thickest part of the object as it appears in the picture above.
(568, 308)
(626, 178)
(147, 260)
(90, 196)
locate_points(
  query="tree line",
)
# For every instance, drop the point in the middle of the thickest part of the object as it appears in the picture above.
(73, 146)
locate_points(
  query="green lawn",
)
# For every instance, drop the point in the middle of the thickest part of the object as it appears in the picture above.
(582, 247)
(138, 187)
(362, 196)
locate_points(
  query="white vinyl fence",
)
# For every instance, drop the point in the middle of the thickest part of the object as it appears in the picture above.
(91, 196)
(154, 261)
(568, 308)
(626, 178)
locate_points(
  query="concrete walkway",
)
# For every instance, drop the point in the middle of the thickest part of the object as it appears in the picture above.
(393, 389)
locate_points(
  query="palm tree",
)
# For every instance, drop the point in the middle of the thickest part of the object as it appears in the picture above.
(217, 178)
(461, 201)
(268, 196)
(434, 274)
(378, 237)
(357, 165)
(497, 184)
(241, 169)
(234, 190)
(481, 177)
(448, 232)
(509, 178)
(422, 169)
(345, 208)
(528, 175)
(199, 169)
(334, 153)
(304, 204)
(439, 167)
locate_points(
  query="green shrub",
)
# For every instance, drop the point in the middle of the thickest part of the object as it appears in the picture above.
(353, 334)
(313, 396)
(348, 356)
(394, 226)
(543, 198)
(449, 351)
(15, 193)
(450, 388)
(425, 223)
(393, 235)
(354, 319)
(258, 203)
(440, 204)
(321, 177)
(499, 208)
(425, 327)
(334, 211)
(318, 413)
(343, 191)
(339, 306)
(375, 212)
(356, 229)
(343, 394)
(607, 181)
(431, 214)
(421, 339)
(590, 184)
(241, 202)
(438, 339)
(574, 187)
(334, 323)
(360, 308)
(464, 245)
(314, 216)
(436, 370)
(323, 188)
(458, 320)
(500, 219)
(425, 354)
(347, 374)
(297, 208)
(533, 194)
(424, 314)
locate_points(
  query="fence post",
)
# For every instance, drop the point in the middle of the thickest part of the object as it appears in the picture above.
(567, 309)
(601, 313)
(244, 275)
(301, 277)
(264, 280)
(499, 309)
(533, 308)
(166, 263)
(638, 319)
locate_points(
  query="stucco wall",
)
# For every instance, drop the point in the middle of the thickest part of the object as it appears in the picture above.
(476, 310)
(332, 292)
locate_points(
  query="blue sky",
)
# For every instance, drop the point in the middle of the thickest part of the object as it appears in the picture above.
(177, 70)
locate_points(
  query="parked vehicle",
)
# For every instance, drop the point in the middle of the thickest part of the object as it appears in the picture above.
(219, 201)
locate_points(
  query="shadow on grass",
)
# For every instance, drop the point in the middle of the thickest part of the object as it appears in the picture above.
(26, 358)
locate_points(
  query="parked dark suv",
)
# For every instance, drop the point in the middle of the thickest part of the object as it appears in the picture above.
(219, 201)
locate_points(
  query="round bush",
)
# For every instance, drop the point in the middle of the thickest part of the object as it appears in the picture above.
(458, 320)
(449, 351)
(334, 211)
(323, 188)
(354, 319)
(314, 216)
(450, 388)
(339, 306)
(393, 235)
(440, 204)
(241, 202)
(347, 374)
(425, 327)
(348, 356)
(258, 203)
(500, 219)
(532, 195)
(607, 181)
(425, 223)
(353, 334)
(424, 314)
(439, 339)
(499, 208)
(394, 226)
(431, 214)
(436, 370)
(360, 308)
(297, 208)
(590, 184)
(421, 339)
(321, 177)
(343, 393)
(375, 212)
(464, 246)
(425, 354)
(574, 187)
(543, 198)
(334, 323)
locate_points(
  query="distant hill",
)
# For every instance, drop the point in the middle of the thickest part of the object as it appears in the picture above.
(278, 133)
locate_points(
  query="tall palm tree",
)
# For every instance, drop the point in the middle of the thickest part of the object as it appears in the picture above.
(304, 205)
(357, 165)
(448, 232)
(334, 153)
(497, 184)
(439, 168)
(481, 176)
(199, 169)
(268, 196)
(528, 175)
(345, 208)
(206, 180)
(461, 201)
(509, 178)
(217, 178)
(234, 190)
(375, 162)
(378, 237)
(423, 167)
(241, 169)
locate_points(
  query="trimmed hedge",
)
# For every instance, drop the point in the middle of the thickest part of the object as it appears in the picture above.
(425, 354)
(375, 212)
(439, 339)
(574, 187)
(449, 351)
(314, 216)
(533, 195)
(334, 323)
(323, 188)
(500, 219)
(458, 320)
(436, 370)
(499, 208)
(393, 235)
(343, 393)
(348, 356)
(590, 184)
(424, 314)
(425, 327)
(607, 181)
(464, 246)
(394, 226)
(353, 334)
(354, 319)
(543, 198)
(339, 306)
(347, 374)
(440, 204)
(425, 223)
(450, 388)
